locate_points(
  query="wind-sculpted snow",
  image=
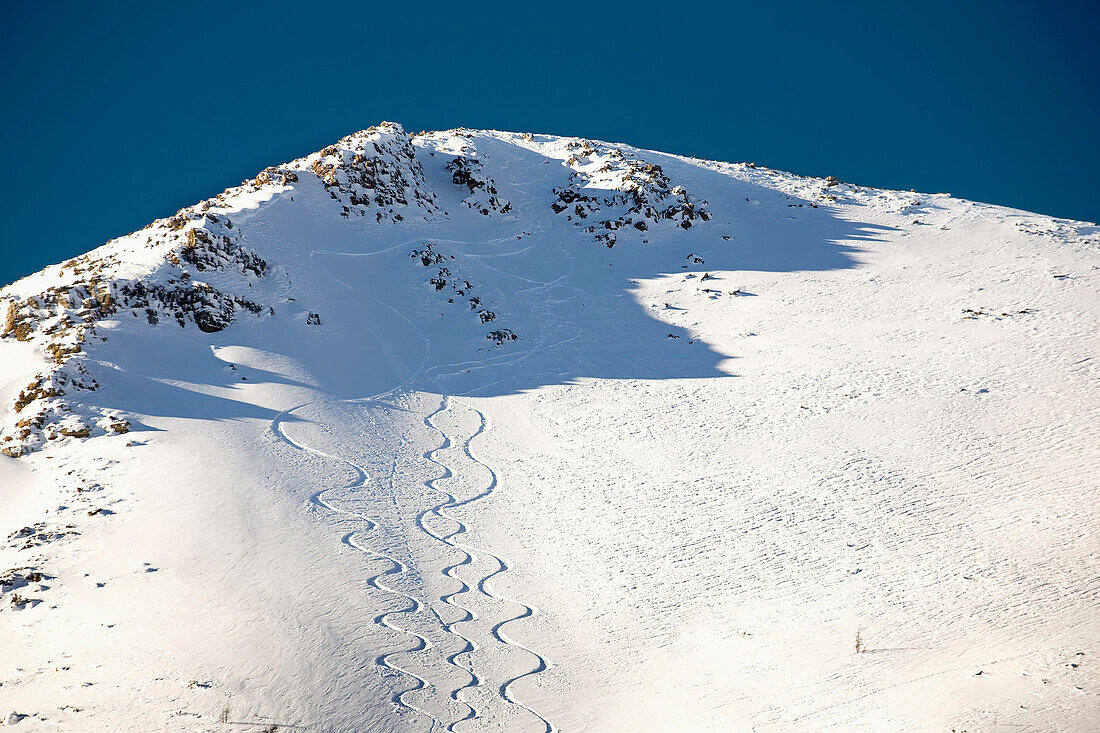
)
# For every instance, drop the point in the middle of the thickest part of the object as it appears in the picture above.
(367, 441)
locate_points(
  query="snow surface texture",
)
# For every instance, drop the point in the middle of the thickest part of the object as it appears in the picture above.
(481, 431)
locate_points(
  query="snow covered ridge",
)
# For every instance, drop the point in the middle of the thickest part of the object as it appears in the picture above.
(197, 269)
(61, 319)
(192, 269)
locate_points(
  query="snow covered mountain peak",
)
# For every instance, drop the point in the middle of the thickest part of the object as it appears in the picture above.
(205, 267)
(477, 430)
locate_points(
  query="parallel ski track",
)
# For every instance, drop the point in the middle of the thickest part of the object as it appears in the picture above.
(471, 552)
(468, 615)
(396, 567)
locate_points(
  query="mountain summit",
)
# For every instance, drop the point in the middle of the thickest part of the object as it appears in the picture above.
(476, 430)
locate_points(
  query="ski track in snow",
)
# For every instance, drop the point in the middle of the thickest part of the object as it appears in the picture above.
(544, 663)
(396, 566)
(470, 558)
(470, 646)
(483, 585)
(973, 427)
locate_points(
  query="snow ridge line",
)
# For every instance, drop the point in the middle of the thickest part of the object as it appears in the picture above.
(483, 584)
(397, 567)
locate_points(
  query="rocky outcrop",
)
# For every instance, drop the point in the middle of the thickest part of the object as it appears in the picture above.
(449, 281)
(61, 319)
(373, 172)
(469, 173)
(613, 194)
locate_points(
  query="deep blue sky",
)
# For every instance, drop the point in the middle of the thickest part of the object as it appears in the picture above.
(116, 113)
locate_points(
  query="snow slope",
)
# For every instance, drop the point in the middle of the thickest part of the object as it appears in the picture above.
(474, 430)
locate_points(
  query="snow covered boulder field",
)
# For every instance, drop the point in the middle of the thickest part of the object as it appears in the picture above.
(483, 431)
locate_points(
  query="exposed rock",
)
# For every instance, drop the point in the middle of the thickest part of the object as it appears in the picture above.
(483, 198)
(642, 195)
(373, 170)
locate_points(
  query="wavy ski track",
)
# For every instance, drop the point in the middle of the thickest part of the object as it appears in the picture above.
(483, 585)
(469, 646)
(396, 568)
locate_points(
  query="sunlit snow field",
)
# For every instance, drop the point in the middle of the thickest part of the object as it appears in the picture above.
(825, 460)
